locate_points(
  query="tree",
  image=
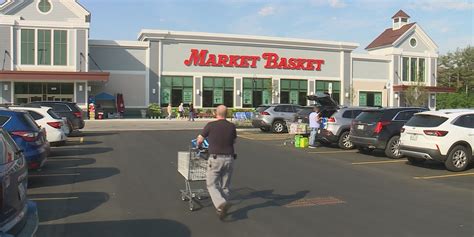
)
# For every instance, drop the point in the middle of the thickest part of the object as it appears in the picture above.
(416, 95)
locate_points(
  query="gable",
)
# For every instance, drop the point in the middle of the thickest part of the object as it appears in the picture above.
(60, 10)
(423, 41)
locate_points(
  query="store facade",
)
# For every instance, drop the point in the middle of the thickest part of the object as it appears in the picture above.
(49, 56)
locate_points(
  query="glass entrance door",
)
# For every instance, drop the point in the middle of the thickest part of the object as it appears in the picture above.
(26, 92)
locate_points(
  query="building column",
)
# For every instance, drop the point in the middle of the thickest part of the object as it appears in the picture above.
(311, 89)
(81, 93)
(345, 75)
(197, 91)
(238, 92)
(276, 88)
(6, 92)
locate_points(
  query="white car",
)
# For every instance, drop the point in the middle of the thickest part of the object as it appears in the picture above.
(446, 136)
(55, 126)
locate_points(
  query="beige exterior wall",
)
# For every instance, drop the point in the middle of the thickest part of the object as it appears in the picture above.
(131, 85)
(370, 86)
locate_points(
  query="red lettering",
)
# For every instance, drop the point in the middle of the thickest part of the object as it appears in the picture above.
(318, 62)
(211, 61)
(222, 60)
(309, 65)
(283, 64)
(299, 64)
(244, 62)
(272, 59)
(233, 61)
(254, 60)
(291, 63)
(197, 58)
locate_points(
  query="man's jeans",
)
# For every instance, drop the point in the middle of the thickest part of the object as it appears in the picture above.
(312, 136)
(219, 173)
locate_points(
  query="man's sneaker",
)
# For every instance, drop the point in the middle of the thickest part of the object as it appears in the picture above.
(222, 210)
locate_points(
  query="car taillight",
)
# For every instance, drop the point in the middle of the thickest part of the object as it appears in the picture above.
(379, 126)
(78, 114)
(331, 120)
(436, 133)
(55, 124)
(264, 113)
(27, 136)
(402, 130)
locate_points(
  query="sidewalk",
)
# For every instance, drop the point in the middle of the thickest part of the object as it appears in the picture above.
(147, 125)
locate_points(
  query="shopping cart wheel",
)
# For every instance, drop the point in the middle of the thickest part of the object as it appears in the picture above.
(199, 197)
(191, 206)
(183, 198)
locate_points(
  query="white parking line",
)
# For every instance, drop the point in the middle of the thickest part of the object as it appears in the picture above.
(378, 162)
(443, 176)
(328, 152)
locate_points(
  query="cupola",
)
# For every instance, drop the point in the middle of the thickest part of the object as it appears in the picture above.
(400, 19)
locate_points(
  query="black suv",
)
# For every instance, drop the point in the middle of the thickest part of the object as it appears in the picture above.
(380, 129)
(70, 110)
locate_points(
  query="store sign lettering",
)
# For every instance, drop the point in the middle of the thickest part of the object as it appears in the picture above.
(203, 58)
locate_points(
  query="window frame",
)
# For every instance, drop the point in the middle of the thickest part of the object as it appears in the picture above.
(36, 48)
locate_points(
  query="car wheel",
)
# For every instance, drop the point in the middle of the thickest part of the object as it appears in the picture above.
(458, 159)
(278, 127)
(344, 141)
(393, 148)
(415, 161)
(365, 150)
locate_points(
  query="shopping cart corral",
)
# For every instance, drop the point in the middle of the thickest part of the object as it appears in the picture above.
(192, 165)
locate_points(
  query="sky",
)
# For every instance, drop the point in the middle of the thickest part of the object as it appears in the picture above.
(450, 23)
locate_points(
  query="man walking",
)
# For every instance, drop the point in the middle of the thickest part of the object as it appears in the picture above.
(314, 124)
(221, 135)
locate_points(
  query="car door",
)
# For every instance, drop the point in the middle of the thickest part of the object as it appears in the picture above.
(465, 124)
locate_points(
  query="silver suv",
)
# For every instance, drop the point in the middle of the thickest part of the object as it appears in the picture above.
(338, 126)
(273, 117)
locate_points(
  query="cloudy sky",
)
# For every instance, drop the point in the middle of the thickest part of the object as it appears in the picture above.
(450, 23)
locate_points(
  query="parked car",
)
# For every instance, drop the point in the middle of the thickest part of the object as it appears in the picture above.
(445, 136)
(55, 126)
(338, 127)
(27, 135)
(273, 117)
(70, 110)
(302, 115)
(19, 216)
(380, 129)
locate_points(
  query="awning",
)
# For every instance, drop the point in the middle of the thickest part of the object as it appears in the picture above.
(399, 88)
(104, 96)
(49, 75)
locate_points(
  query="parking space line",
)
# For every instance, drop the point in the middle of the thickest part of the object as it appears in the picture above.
(52, 199)
(81, 140)
(242, 136)
(52, 175)
(328, 152)
(378, 162)
(443, 176)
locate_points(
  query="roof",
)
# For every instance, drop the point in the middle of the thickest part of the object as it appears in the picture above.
(389, 36)
(400, 14)
(449, 112)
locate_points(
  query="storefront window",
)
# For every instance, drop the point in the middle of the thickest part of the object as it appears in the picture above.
(330, 87)
(60, 47)
(44, 47)
(405, 69)
(218, 91)
(421, 68)
(414, 69)
(26, 92)
(27, 47)
(293, 91)
(256, 91)
(370, 98)
(176, 90)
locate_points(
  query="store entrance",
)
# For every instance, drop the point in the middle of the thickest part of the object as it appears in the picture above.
(27, 92)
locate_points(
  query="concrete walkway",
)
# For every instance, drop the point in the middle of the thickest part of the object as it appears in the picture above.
(146, 125)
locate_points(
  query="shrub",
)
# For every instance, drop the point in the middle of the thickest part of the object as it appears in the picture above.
(154, 110)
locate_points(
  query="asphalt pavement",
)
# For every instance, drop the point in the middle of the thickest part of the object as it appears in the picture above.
(126, 184)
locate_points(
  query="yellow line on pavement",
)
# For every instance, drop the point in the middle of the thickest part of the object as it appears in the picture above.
(378, 162)
(50, 199)
(327, 152)
(81, 140)
(242, 136)
(443, 176)
(52, 175)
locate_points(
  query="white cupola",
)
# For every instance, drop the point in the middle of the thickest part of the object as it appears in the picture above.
(400, 19)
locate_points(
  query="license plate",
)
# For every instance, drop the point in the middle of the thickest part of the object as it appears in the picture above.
(21, 192)
(360, 127)
(413, 137)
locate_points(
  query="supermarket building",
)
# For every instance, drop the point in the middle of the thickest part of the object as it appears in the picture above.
(46, 54)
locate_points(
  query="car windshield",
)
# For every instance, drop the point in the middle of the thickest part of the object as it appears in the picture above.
(427, 121)
(53, 114)
(369, 116)
(261, 108)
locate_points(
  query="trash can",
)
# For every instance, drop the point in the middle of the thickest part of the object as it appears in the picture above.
(304, 142)
(297, 140)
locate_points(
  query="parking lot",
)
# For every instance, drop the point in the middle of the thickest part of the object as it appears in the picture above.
(126, 184)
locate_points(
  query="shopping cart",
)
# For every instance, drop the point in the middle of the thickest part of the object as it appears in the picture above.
(295, 128)
(192, 165)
